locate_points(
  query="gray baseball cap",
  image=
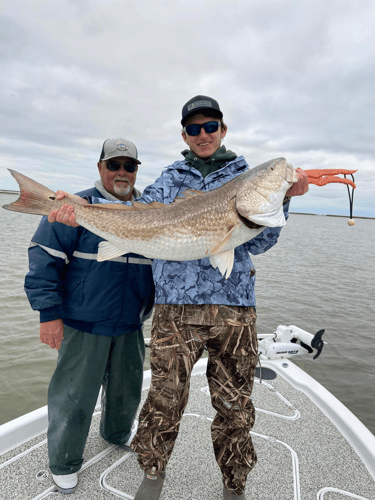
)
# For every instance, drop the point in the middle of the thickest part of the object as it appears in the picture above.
(118, 147)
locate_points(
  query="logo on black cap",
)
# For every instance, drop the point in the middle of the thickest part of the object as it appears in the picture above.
(199, 104)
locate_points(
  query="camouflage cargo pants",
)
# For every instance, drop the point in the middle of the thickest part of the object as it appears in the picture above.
(179, 334)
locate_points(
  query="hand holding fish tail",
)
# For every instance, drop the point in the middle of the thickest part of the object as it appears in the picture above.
(301, 186)
(66, 213)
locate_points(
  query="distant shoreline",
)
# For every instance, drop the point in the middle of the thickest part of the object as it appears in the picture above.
(331, 215)
(8, 191)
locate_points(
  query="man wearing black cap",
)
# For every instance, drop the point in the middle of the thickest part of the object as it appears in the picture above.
(93, 313)
(196, 307)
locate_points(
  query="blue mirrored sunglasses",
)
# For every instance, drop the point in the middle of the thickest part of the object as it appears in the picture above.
(195, 128)
(114, 166)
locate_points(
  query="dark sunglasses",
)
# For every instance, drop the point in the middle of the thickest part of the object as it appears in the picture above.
(195, 129)
(113, 166)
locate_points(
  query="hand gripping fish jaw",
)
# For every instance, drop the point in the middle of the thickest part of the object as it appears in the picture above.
(290, 341)
(321, 177)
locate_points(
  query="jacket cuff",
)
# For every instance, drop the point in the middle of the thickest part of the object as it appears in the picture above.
(50, 314)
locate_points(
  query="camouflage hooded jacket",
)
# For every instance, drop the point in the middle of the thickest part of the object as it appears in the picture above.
(196, 281)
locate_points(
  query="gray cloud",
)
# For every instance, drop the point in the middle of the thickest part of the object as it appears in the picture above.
(294, 79)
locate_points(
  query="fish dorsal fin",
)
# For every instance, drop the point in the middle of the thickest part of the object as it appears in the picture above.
(109, 206)
(218, 248)
(224, 261)
(137, 205)
(108, 251)
(187, 194)
(145, 206)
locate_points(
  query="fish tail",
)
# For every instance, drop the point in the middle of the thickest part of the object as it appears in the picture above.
(34, 197)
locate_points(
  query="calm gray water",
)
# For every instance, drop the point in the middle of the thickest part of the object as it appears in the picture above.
(321, 274)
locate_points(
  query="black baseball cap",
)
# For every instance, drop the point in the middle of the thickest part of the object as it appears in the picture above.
(200, 104)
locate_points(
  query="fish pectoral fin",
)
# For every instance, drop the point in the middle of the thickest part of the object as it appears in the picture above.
(107, 251)
(224, 261)
(219, 247)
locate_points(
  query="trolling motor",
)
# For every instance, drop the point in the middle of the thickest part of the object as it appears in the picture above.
(289, 341)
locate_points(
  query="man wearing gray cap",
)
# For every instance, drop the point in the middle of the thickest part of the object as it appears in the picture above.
(92, 313)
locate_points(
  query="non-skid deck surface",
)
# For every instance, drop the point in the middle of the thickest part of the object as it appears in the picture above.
(301, 455)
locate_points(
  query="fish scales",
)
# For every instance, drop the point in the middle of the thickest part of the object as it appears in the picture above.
(173, 232)
(196, 225)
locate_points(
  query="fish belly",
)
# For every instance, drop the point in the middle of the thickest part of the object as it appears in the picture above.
(174, 247)
(166, 248)
(177, 247)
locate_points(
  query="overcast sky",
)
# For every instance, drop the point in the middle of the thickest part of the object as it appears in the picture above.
(293, 78)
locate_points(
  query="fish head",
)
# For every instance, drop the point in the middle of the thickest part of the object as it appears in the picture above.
(262, 191)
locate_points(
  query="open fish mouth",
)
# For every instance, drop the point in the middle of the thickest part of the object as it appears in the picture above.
(260, 198)
(248, 223)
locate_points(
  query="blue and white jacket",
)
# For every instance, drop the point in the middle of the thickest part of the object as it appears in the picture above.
(65, 280)
(196, 281)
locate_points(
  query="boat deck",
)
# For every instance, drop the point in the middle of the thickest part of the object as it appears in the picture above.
(301, 455)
